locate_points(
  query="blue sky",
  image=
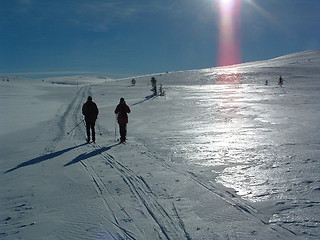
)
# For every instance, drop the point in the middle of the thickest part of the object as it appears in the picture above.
(120, 38)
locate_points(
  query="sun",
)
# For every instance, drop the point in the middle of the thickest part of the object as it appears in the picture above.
(225, 6)
(226, 3)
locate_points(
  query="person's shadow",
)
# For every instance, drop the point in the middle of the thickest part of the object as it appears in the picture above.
(43, 158)
(84, 156)
(152, 96)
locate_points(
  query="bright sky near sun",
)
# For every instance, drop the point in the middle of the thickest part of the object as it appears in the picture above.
(119, 38)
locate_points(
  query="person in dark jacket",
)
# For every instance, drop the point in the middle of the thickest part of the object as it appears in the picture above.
(122, 111)
(90, 112)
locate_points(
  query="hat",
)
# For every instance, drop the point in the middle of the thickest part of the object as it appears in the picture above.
(89, 98)
(122, 100)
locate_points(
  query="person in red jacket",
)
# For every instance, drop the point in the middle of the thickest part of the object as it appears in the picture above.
(122, 111)
(90, 112)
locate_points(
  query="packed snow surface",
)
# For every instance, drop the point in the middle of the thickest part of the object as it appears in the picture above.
(227, 153)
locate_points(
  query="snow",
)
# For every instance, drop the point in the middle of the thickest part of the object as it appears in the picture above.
(221, 156)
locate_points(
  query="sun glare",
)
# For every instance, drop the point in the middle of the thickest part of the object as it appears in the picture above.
(226, 3)
(229, 40)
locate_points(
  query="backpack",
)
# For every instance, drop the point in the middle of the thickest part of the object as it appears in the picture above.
(123, 111)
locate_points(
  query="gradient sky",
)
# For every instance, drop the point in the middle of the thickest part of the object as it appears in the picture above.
(119, 38)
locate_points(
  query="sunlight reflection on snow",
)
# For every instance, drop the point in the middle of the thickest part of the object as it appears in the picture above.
(260, 140)
(233, 129)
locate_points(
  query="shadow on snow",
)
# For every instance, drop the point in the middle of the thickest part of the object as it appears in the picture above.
(146, 99)
(44, 158)
(84, 156)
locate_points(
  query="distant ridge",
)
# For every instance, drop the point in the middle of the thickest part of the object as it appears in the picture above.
(309, 61)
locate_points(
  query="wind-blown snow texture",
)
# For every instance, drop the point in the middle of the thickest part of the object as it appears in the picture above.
(221, 156)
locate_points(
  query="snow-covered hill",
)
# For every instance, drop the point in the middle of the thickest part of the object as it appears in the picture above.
(221, 156)
(291, 66)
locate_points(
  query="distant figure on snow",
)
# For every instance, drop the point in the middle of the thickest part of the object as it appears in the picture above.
(280, 83)
(90, 112)
(122, 111)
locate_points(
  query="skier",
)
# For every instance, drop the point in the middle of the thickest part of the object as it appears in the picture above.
(90, 112)
(280, 83)
(122, 111)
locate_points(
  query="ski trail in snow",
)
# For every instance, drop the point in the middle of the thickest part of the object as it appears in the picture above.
(180, 222)
(166, 221)
(143, 192)
(114, 208)
(73, 109)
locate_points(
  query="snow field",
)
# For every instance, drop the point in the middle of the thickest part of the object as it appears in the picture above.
(214, 161)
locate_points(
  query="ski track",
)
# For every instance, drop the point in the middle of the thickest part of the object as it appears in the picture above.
(72, 110)
(164, 222)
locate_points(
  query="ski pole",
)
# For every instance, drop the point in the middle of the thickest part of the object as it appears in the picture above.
(75, 126)
(100, 133)
(115, 128)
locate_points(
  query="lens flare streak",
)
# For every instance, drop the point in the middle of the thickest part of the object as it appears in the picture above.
(229, 41)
